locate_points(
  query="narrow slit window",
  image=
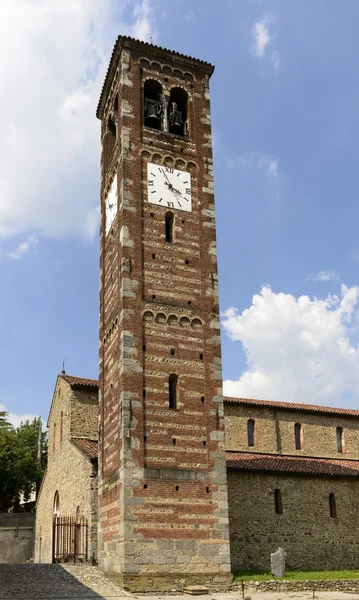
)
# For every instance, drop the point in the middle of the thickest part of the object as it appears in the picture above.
(340, 439)
(332, 506)
(251, 427)
(172, 390)
(278, 502)
(169, 227)
(298, 436)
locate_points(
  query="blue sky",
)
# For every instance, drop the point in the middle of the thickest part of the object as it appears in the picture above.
(284, 98)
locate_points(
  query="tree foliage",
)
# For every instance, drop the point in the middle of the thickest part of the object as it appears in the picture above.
(23, 455)
(3, 421)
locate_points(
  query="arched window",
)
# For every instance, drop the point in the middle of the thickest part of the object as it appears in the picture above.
(172, 390)
(251, 432)
(56, 508)
(332, 506)
(340, 440)
(298, 436)
(152, 104)
(169, 227)
(278, 503)
(111, 126)
(177, 112)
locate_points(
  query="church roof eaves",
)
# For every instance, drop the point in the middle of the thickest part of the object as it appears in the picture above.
(88, 447)
(295, 465)
(125, 40)
(79, 381)
(293, 406)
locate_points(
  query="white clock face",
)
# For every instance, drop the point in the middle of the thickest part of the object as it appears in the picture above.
(169, 187)
(111, 205)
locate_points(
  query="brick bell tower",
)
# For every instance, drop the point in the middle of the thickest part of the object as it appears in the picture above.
(163, 515)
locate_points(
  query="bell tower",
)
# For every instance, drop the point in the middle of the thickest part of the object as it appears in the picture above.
(163, 515)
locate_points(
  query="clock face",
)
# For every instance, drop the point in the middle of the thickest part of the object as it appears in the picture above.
(111, 205)
(169, 187)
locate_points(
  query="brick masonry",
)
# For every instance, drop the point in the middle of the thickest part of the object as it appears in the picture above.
(163, 504)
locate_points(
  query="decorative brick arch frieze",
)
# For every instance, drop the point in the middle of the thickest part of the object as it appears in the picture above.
(161, 317)
(165, 159)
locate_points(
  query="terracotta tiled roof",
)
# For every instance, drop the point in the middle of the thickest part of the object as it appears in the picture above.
(89, 447)
(330, 410)
(121, 41)
(73, 381)
(301, 465)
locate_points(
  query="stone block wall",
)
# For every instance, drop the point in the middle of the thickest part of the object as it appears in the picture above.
(69, 472)
(275, 431)
(312, 539)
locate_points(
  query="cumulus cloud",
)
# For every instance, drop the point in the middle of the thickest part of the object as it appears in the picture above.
(298, 349)
(326, 275)
(16, 420)
(262, 38)
(49, 135)
(30, 243)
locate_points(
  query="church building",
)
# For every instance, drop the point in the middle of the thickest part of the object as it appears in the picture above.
(188, 485)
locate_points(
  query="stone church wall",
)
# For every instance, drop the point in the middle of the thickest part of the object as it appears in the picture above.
(275, 431)
(69, 473)
(312, 539)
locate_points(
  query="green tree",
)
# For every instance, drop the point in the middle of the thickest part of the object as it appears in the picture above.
(23, 456)
(3, 421)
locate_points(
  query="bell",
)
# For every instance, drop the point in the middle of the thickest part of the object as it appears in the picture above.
(152, 113)
(178, 123)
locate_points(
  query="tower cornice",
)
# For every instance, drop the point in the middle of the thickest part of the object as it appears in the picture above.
(153, 51)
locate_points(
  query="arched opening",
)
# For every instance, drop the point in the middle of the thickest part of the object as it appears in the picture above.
(332, 506)
(298, 436)
(340, 440)
(169, 226)
(177, 112)
(251, 432)
(55, 528)
(113, 119)
(278, 503)
(56, 508)
(172, 390)
(111, 126)
(152, 104)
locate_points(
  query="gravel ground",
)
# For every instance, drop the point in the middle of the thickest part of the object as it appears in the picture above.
(33, 581)
(42, 582)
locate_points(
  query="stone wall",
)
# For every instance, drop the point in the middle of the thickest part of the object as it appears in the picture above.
(312, 539)
(16, 537)
(69, 472)
(275, 431)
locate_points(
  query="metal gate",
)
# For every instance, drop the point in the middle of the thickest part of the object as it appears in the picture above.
(69, 539)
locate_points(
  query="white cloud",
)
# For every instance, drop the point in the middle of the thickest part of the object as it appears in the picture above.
(275, 58)
(16, 420)
(30, 243)
(298, 349)
(266, 162)
(189, 16)
(261, 36)
(326, 275)
(270, 164)
(49, 134)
